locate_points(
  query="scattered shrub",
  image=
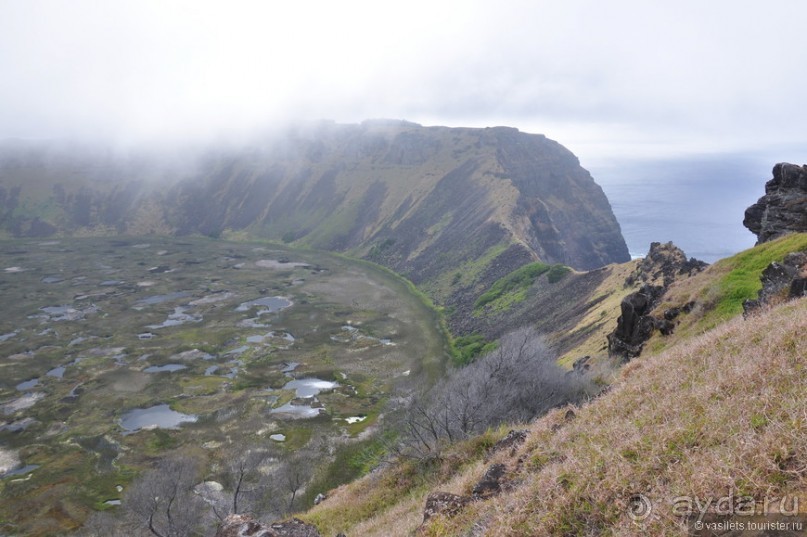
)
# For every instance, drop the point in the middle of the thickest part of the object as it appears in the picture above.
(557, 272)
(516, 382)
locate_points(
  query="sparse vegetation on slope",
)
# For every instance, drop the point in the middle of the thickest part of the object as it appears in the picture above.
(719, 291)
(514, 284)
(721, 414)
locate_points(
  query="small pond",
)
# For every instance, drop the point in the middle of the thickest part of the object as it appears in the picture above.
(168, 368)
(56, 372)
(271, 304)
(27, 385)
(158, 416)
(26, 401)
(289, 367)
(8, 336)
(297, 411)
(27, 469)
(309, 387)
(179, 317)
(19, 425)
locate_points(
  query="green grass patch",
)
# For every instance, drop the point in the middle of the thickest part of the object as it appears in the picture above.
(350, 462)
(471, 346)
(742, 280)
(518, 280)
(463, 273)
(557, 272)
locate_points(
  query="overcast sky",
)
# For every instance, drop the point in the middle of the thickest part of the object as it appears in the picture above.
(604, 78)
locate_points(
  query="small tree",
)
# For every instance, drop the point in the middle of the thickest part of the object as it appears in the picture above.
(293, 474)
(514, 383)
(246, 482)
(163, 500)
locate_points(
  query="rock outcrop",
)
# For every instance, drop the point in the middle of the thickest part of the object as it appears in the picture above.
(664, 264)
(783, 208)
(511, 441)
(781, 281)
(492, 483)
(246, 526)
(444, 503)
(635, 325)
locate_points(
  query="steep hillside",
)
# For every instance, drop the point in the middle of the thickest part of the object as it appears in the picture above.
(719, 415)
(430, 203)
(576, 311)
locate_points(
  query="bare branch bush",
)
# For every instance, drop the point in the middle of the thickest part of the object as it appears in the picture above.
(517, 382)
(164, 502)
(246, 481)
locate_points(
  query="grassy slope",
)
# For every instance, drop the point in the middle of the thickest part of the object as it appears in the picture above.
(720, 290)
(717, 407)
(722, 412)
(600, 318)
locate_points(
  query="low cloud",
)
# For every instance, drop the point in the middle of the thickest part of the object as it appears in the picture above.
(604, 76)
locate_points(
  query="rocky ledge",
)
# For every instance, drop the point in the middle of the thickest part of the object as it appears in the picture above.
(781, 282)
(783, 208)
(664, 264)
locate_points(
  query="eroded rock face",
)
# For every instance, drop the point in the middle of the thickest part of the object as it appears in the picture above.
(783, 208)
(664, 264)
(784, 281)
(635, 325)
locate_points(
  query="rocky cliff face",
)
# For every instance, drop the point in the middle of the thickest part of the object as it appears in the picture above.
(425, 202)
(783, 208)
(664, 264)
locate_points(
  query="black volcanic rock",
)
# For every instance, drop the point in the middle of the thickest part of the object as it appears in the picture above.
(635, 325)
(664, 264)
(491, 483)
(783, 208)
(781, 281)
(444, 503)
(667, 262)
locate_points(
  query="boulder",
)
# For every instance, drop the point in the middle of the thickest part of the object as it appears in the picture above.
(444, 503)
(634, 325)
(511, 441)
(491, 483)
(581, 365)
(783, 208)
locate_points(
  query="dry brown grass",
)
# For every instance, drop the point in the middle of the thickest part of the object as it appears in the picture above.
(602, 315)
(724, 413)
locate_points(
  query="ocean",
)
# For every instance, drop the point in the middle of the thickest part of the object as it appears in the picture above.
(697, 203)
